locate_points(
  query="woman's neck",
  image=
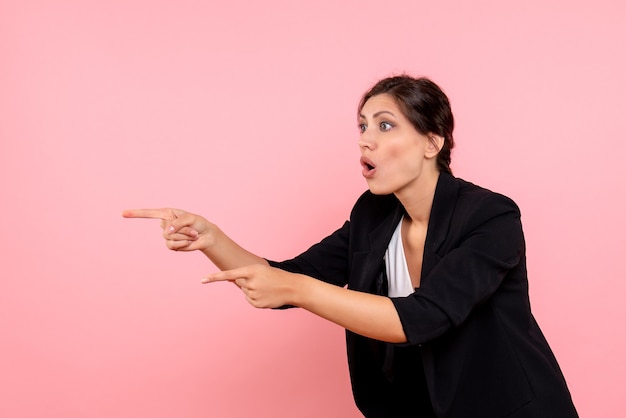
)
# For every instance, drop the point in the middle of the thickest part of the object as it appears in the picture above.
(417, 198)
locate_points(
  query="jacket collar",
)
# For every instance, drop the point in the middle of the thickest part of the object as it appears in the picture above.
(444, 203)
(442, 210)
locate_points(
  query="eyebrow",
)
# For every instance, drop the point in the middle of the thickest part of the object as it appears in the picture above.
(377, 114)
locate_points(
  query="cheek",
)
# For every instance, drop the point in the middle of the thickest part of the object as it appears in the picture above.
(400, 150)
(407, 157)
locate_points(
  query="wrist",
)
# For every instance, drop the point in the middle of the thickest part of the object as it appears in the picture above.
(300, 289)
(209, 239)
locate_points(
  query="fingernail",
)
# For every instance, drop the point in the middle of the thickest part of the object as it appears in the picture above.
(170, 229)
(204, 280)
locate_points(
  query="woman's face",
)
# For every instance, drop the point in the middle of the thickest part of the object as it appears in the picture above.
(393, 152)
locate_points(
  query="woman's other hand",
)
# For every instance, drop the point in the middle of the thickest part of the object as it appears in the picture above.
(263, 286)
(183, 231)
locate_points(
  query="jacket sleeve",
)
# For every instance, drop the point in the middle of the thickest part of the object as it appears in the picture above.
(487, 248)
(326, 260)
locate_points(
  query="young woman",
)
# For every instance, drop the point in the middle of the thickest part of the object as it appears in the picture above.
(428, 277)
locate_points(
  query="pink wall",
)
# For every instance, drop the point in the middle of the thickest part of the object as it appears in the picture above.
(245, 112)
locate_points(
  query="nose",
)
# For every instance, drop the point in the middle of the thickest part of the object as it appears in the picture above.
(367, 140)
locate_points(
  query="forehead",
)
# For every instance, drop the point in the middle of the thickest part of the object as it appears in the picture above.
(379, 103)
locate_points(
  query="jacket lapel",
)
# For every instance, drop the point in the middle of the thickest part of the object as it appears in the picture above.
(444, 203)
(368, 264)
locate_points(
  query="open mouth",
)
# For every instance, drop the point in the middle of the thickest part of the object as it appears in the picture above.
(368, 166)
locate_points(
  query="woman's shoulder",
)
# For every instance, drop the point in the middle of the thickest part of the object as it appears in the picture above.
(472, 197)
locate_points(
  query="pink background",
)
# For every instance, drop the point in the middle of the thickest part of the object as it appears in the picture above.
(245, 112)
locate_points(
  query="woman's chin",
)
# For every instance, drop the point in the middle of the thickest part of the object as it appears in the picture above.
(378, 190)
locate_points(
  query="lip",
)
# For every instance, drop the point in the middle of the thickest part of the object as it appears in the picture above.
(369, 168)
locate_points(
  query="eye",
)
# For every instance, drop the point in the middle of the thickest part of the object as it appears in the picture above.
(362, 127)
(385, 126)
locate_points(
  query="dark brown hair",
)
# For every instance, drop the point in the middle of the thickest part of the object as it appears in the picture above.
(425, 105)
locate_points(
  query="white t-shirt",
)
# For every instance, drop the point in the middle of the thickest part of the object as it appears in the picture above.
(399, 280)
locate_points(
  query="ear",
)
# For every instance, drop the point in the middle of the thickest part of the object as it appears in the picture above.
(434, 145)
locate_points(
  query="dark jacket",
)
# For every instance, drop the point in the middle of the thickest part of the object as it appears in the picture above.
(482, 353)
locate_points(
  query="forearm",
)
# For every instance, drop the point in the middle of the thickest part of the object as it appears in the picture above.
(226, 254)
(369, 315)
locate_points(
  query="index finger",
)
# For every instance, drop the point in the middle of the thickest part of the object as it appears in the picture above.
(227, 275)
(165, 214)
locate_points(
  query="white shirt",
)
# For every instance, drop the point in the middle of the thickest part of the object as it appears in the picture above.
(399, 280)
